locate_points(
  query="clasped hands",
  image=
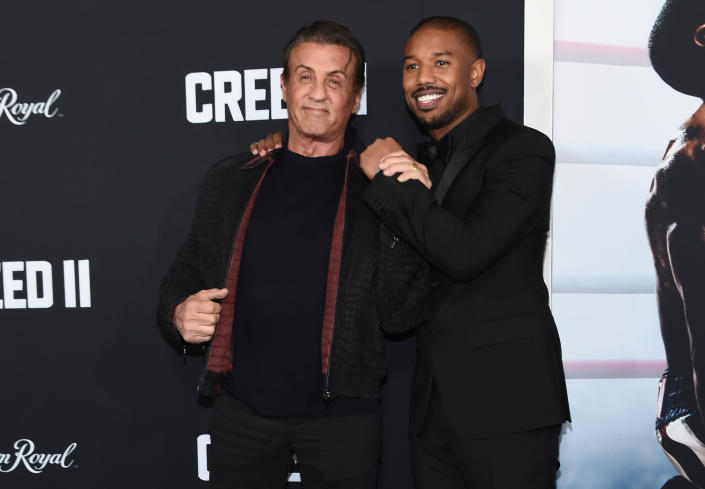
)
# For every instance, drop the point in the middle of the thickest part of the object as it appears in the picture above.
(385, 155)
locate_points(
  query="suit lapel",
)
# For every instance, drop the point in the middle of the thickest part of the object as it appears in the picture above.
(459, 160)
(468, 138)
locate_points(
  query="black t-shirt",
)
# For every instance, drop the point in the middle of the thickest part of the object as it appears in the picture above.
(282, 287)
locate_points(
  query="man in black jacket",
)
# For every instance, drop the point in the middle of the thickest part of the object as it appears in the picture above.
(488, 395)
(297, 260)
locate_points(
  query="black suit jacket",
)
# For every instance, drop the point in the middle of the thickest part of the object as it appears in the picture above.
(490, 341)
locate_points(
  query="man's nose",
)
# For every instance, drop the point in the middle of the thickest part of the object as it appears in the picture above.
(318, 92)
(425, 75)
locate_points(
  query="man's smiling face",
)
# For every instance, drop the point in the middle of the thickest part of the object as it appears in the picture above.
(441, 75)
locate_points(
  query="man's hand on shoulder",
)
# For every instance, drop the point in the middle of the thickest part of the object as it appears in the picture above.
(196, 317)
(267, 144)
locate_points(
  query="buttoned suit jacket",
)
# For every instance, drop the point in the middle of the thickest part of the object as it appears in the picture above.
(490, 342)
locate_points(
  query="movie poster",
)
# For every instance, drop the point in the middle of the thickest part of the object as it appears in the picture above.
(614, 119)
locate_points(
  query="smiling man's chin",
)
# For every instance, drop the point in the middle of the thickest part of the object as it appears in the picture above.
(431, 120)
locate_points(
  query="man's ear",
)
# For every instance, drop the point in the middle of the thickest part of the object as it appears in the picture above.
(356, 105)
(477, 72)
(699, 37)
(282, 84)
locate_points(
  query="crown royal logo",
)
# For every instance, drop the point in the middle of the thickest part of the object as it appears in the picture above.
(18, 112)
(35, 462)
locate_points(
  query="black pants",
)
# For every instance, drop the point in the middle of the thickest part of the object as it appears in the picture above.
(250, 451)
(443, 460)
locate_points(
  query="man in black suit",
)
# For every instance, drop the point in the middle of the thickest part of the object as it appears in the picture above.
(488, 395)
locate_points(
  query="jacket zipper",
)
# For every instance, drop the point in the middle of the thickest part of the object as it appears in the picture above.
(327, 394)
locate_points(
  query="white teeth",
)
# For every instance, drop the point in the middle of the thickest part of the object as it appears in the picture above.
(428, 98)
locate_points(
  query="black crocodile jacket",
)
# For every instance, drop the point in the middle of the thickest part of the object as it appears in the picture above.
(376, 282)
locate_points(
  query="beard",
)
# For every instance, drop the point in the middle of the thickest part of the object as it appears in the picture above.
(441, 120)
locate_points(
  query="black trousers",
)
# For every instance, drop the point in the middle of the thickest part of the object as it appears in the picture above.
(249, 451)
(444, 460)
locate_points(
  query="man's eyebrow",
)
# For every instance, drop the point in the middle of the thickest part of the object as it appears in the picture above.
(436, 54)
(333, 72)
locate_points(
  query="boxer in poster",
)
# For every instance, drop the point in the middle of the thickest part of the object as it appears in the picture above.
(675, 221)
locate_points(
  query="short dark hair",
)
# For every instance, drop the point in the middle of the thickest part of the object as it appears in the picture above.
(677, 46)
(329, 32)
(466, 31)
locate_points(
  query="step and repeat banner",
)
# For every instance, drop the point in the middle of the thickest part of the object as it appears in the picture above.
(110, 115)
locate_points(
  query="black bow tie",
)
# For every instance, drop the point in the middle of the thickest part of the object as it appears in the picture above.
(434, 151)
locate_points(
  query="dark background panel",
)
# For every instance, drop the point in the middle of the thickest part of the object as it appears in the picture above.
(112, 179)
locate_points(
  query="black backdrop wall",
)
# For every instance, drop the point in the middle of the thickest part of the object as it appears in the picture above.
(100, 164)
